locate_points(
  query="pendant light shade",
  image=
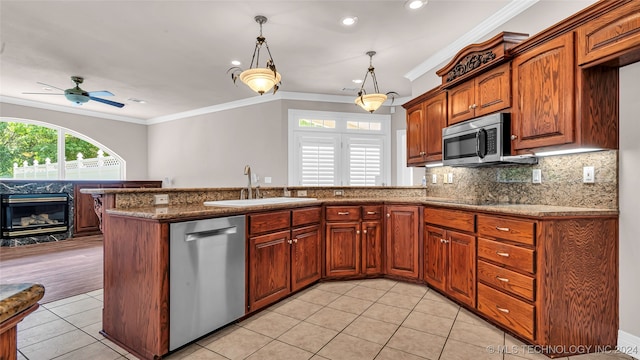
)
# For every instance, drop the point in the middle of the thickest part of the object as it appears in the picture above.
(371, 102)
(256, 78)
(260, 80)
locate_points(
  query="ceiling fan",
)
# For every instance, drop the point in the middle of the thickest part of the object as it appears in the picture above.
(78, 96)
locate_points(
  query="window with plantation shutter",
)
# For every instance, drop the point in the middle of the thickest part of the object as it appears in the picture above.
(364, 161)
(338, 149)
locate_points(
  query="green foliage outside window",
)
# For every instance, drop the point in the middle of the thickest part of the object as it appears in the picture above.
(21, 142)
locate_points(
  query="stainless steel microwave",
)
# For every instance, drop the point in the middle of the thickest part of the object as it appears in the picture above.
(482, 141)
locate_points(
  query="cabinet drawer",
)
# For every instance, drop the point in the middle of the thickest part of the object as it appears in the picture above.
(507, 280)
(450, 218)
(306, 216)
(509, 255)
(521, 231)
(261, 223)
(512, 313)
(342, 213)
(371, 212)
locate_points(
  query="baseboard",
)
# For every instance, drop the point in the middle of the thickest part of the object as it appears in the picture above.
(629, 344)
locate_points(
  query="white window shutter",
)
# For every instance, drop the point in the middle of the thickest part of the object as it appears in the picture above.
(317, 160)
(364, 161)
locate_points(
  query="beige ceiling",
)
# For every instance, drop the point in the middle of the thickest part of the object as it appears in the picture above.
(175, 54)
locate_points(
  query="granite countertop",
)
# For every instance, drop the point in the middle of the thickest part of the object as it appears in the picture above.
(15, 298)
(191, 211)
(100, 191)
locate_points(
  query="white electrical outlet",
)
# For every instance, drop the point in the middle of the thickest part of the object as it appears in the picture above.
(302, 193)
(434, 179)
(337, 193)
(450, 178)
(588, 174)
(162, 210)
(536, 178)
(267, 179)
(161, 199)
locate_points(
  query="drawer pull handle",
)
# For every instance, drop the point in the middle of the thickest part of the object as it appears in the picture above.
(506, 311)
(502, 279)
(503, 254)
(502, 228)
(371, 212)
(343, 213)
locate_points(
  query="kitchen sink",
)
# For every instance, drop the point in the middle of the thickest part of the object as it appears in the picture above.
(254, 202)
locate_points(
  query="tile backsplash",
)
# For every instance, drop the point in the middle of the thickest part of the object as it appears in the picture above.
(561, 182)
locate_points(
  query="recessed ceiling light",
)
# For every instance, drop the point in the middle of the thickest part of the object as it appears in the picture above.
(357, 81)
(139, 101)
(349, 20)
(235, 62)
(415, 4)
(46, 88)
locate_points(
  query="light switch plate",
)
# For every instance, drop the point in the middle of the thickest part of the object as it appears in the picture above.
(450, 178)
(536, 178)
(267, 179)
(588, 174)
(434, 178)
(444, 178)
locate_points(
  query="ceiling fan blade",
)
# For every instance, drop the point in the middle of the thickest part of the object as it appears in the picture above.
(100, 93)
(28, 93)
(51, 86)
(108, 102)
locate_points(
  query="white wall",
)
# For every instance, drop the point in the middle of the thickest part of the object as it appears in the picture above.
(629, 158)
(126, 139)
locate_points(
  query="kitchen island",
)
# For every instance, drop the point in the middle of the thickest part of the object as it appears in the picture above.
(16, 302)
(564, 257)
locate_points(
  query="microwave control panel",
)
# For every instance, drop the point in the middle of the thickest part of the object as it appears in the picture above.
(492, 141)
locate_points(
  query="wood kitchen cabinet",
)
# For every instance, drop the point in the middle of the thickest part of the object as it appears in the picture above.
(284, 254)
(353, 239)
(426, 117)
(484, 94)
(450, 254)
(402, 226)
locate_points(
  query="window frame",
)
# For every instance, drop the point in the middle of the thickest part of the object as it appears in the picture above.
(61, 132)
(341, 130)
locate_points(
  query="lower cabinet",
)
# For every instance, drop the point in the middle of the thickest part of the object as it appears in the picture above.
(282, 259)
(402, 240)
(353, 241)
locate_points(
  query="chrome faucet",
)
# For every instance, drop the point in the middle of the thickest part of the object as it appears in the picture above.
(247, 171)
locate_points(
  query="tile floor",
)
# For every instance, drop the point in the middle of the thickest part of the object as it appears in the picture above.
(370, 319)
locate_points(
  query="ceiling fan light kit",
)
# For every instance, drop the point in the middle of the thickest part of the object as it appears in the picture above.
(371, 102)
(259, 79)
(78, 96)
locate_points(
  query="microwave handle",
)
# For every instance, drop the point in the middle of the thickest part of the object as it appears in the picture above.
(481, 143)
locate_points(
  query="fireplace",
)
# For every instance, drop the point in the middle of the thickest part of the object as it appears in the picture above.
(34, 214)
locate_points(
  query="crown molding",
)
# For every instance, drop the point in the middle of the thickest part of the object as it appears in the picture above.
(70, 110)
(508, 12)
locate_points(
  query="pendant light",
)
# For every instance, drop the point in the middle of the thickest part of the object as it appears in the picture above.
(371, 102)
(259, 79)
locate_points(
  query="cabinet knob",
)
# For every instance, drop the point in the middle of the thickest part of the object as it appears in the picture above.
(295, 240)
(503, 254)
(442, 241)
(364, 231)
(513, 137)
(388, 215)
(357, 231)
(422, 153)
(506, 311)
(472, 106)
(289, 241)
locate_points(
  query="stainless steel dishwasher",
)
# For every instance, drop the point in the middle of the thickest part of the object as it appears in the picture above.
(206, 277)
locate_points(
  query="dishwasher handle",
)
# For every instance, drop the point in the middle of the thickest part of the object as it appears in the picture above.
(207, 233)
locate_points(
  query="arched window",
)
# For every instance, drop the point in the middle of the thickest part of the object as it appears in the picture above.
(36, 150)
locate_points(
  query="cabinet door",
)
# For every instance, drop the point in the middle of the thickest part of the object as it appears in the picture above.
(402, 227)
(85, 220)
(371, 247)
(269, 261)
(306, 266)
(415, 135)
(435, 110)
(342, 249)
(543, 82)
(461, 101)
(493, 90)
(461, 269)
(435, 257)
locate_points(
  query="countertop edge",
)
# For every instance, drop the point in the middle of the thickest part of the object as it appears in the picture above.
(20, 301)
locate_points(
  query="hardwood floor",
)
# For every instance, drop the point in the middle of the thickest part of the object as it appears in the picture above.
(65, 268)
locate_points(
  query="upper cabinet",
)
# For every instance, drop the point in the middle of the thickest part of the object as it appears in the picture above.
(612, 38)
(426, 116)
(543, 82)
(488, 92)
